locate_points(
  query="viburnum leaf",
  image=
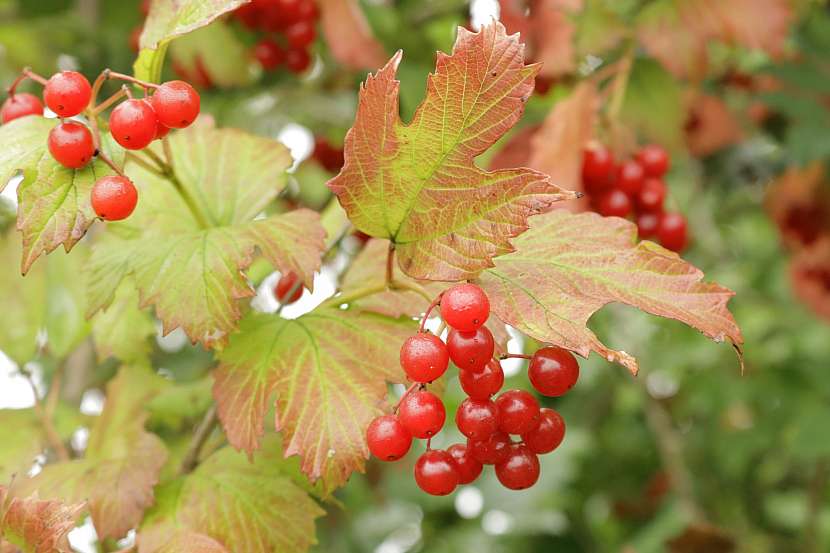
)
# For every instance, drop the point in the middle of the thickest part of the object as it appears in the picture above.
(418, 186)
(212, 56)
(188, 266)
(570, 265)
(122, 461)
(349, 36)
(230, 503)
(711, 125)
(36, 526)
(810, 274)
(122, 329)
(799, 203)
(328, 371)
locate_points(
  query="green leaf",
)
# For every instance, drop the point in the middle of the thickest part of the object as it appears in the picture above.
(214, 50)
(232, 504)
(176, 405)
(653, 103)
(122, 329)
(35, 526)
(328, 370)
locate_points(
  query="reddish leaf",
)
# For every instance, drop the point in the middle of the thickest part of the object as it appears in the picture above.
(799, 203)
(35, 526)
(711, 126)
(810, 273)
(349, 36)
(702, 538)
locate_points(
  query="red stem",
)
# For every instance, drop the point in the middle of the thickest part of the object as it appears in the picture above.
(515, 356)
(432, 306)
(25, 74)
(130, 79)
(406, 393)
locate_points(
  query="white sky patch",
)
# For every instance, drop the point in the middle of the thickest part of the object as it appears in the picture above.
(483, 12)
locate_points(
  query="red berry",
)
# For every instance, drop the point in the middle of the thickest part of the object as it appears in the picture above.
(597, 166)
(492, 450)
(328, 156)
(520, 470)
(614, 203)
(422, 414)
(297, 60)
(652, 195)
(387, 438)
(630, 176)
(654, 159)
(113, 197)
(133, 124)
(471, 351)
(20, 105)
(477, 418)
(672, 232)
(553, 371)
(467, 467)
(307, 11)
(71, 144)
(250, 15)
(518, 412)
(424, 357)
(465, 307)
(161, 130)
(548, 435)
(647, 224)
(67, 93)
(300, 34)
(176, 103)
(436, 472)
(289, 283)
(269, 54)
(483, 384)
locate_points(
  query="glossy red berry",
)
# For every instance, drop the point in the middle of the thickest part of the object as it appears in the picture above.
(652, 195)
(269, 54)
(307, 10)
(468, 468)
(113, 197)
(471, 351)
(422, 413)
(297, 60)
(492, 450)
(300, 34)
(289, 288)
(70, 143)
(647, 224)
(465, 307)
(672, 232)
(548, 435)
(483, 384)
(597, 166)
(161, 130)
(630, 177)
(133, 124)
(20, 105)
(436, 472)
(518, 412)
(614, 203)
(477, 418)
(553, 371)
(177, 104)
(330, 157)
(387, 438)
(424, 357)
(67, 93)
(654, 159)
(520, 470)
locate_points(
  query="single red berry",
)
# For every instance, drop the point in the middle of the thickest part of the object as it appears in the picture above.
(307, 10)
(300, 34)
(553, 371)
(614, 203)
(328, 156)
(548, 435)
(492, 450)
(133, 124)
(477, 418)
(468, 468)
(520, 470)
(250, 15)
(630, 176)
(161, 130)
(465, 307)
(297, 60)
(422, 414)
(471, 351)
(269, 54)
(176, 103)
(436, 472)
(647, 225)
(597, 166)
(289, 283)
(387, 438)
(654, 159)
(652, 195)
(424, 357)
(113, 197)
(672, 232)
(67, 93)
(483, 384)
(70, 143)
(518, 412)
(20, 105)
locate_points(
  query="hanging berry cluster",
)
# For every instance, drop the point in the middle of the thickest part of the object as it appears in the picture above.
(634, 188)
(487, 423)
(134, 124)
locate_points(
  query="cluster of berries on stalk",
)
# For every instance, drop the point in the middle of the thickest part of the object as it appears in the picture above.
(133, 123)
(288, 28)
(634, 188)
(487, 423)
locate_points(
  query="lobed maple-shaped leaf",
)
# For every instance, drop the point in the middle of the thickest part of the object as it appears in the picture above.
(31, 525)
(122, 329)
(328, 371)
(232, 504)
(122, 462)
(417, 184)
(570, 265)
(190, 267)
(348, 34)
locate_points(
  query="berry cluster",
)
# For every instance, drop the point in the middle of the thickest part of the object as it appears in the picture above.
(134, 124)
(289, 29)
(635, 188)
(487, 423)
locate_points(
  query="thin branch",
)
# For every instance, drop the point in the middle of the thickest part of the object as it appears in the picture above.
(130, 79)
(164, 167)
(168, 152)
(406, 393)
(432, 306)
(52, 435)
(390, 264)
(108, 102)
(515, 356)
(27, 73)
(105, 158)
(145, 164)
(203, 432)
